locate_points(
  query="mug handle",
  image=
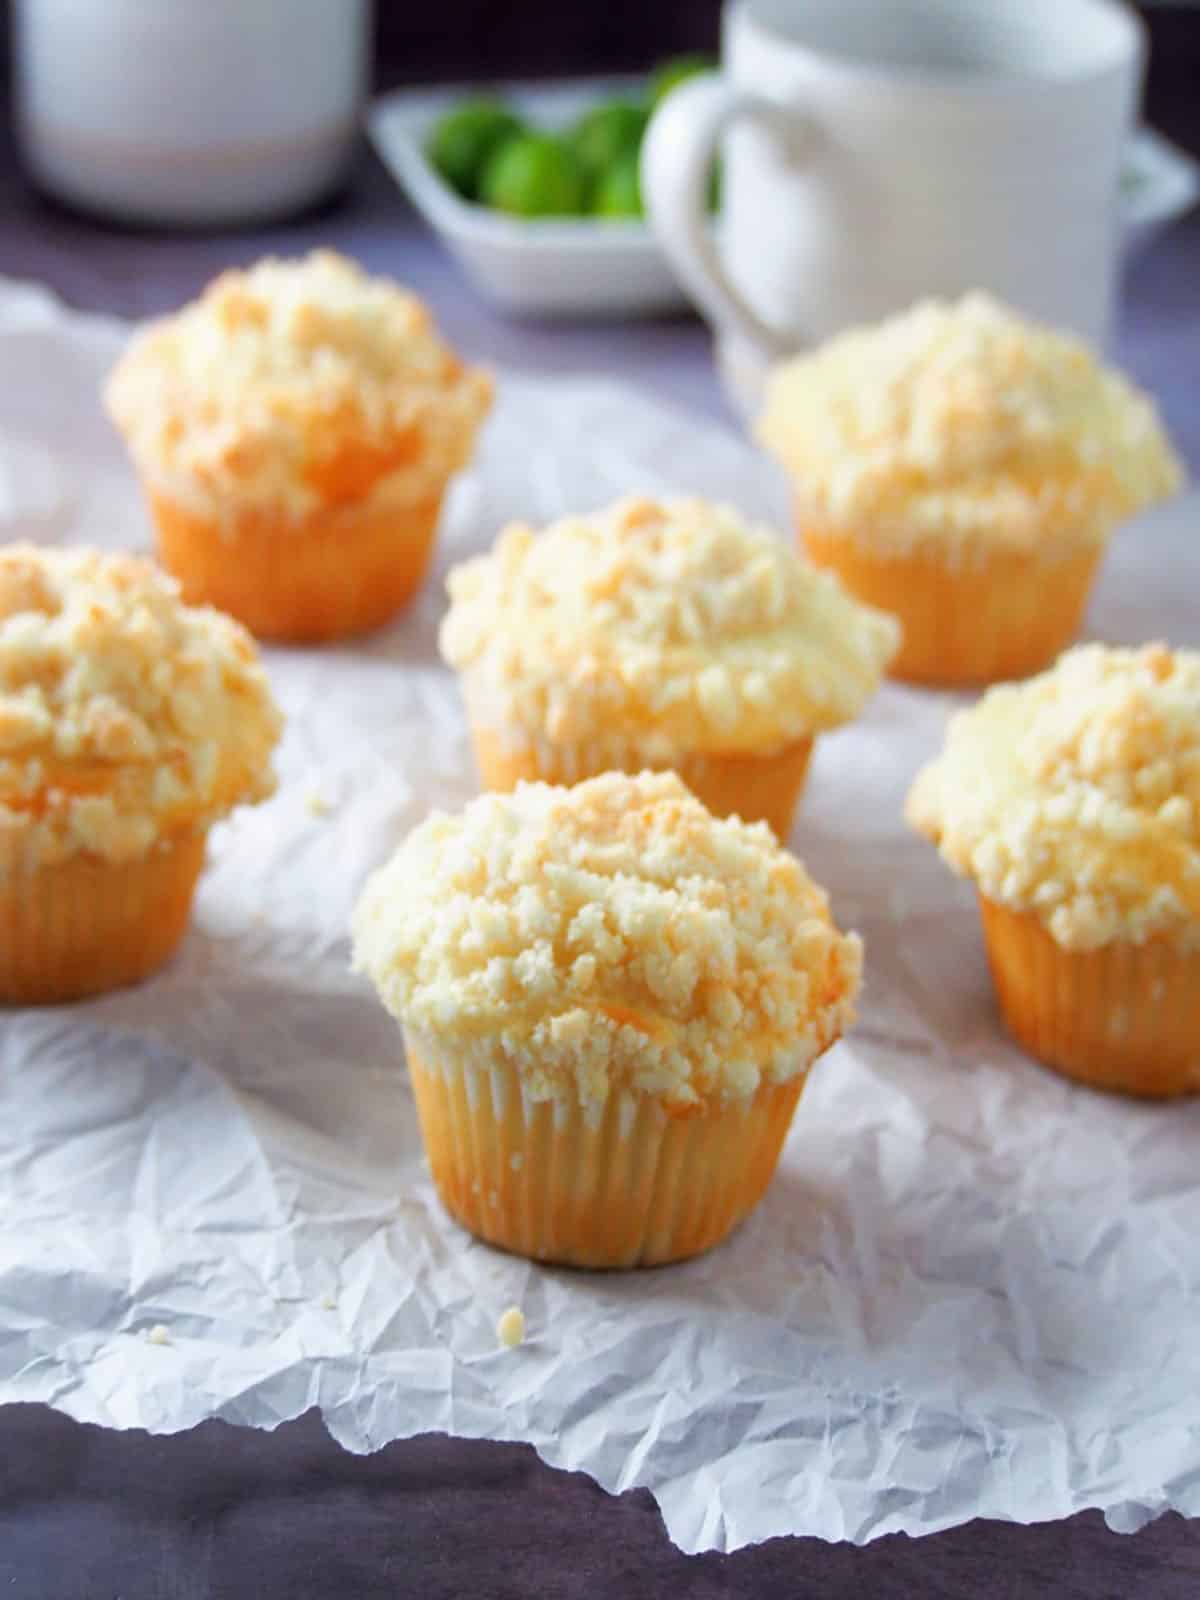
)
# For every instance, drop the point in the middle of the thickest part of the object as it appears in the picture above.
(677, 158)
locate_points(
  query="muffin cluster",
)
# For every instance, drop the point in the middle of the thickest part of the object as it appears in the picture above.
(612, 976)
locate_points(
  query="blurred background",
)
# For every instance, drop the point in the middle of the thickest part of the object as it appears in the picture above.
(102, 264)
(483, 39)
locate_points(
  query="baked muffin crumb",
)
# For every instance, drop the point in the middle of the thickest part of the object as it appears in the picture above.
(510, 1329)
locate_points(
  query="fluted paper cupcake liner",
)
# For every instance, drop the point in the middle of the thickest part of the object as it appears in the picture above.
(1124, 1017)
(757, 788)
(339, 572)
(84, 926)
(625, 1184)
(1006, 616)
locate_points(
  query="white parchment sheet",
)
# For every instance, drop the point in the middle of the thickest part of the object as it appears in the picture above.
(972, 1289)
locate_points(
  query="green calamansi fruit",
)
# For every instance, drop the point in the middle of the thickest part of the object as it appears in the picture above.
(534, 175)
(464, 140)
(670, 74)
(618, 192)
(606, 133)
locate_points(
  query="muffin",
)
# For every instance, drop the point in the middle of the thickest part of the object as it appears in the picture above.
(129, 723)
(610, 1001)
(964, 470)
(1073, 801)
(662, 636)
(295, 429)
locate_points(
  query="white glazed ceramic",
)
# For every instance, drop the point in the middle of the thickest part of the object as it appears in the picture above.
(190, 111)
(877, 151)
(556, 267)
(580, 267)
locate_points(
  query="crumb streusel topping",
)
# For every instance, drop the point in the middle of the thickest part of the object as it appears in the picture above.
(612, 935)
(296, 385)
(1077, 796)
(960, 422)
(672, 627)
(126, 717)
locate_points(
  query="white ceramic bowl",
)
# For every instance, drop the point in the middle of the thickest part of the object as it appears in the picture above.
(556, 267)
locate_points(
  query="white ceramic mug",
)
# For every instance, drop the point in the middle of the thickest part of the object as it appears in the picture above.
(878, 151)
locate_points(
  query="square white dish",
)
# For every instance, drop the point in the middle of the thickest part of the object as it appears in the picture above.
(553, 267)
(578, 267)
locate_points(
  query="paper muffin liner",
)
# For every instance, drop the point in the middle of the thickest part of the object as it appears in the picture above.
(625, 1184)
(1005, 616)
(757, 788)
(1124, 1017)
(335, 573)
(83, 926)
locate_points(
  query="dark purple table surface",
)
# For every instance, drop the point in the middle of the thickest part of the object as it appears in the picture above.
(107, 1516)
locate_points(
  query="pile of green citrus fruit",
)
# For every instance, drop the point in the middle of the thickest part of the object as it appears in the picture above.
(489, 155)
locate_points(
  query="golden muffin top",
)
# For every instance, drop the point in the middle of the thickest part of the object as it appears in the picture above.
(668, 627)
(296, 385)
(610, 935)
(961, 422)
(126, 717)
(1076, 796)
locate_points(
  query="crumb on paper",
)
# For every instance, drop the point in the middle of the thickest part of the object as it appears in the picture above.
(510, 1330)
(317, 805)
(516, 1161)
(158, 1334)
(328, 1302)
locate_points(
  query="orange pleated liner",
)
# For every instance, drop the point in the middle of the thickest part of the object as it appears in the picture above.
(1004, 616)
(757, 788)
(345, 570)
(624, 1185)
(1124, 1017)
(85, 926)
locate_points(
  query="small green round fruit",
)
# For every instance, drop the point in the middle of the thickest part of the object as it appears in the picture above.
(607, 132)
(463, 141)
(534, 175)
(618, 193)
(670, 74)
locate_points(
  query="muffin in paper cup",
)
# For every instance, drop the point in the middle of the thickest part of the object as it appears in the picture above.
(663, 636)
(296, 429)
(129, 724)
(610, 1001)
(1073, 803)
(964, 470)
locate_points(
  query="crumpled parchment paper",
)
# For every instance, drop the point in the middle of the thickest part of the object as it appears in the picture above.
(972, 1289)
